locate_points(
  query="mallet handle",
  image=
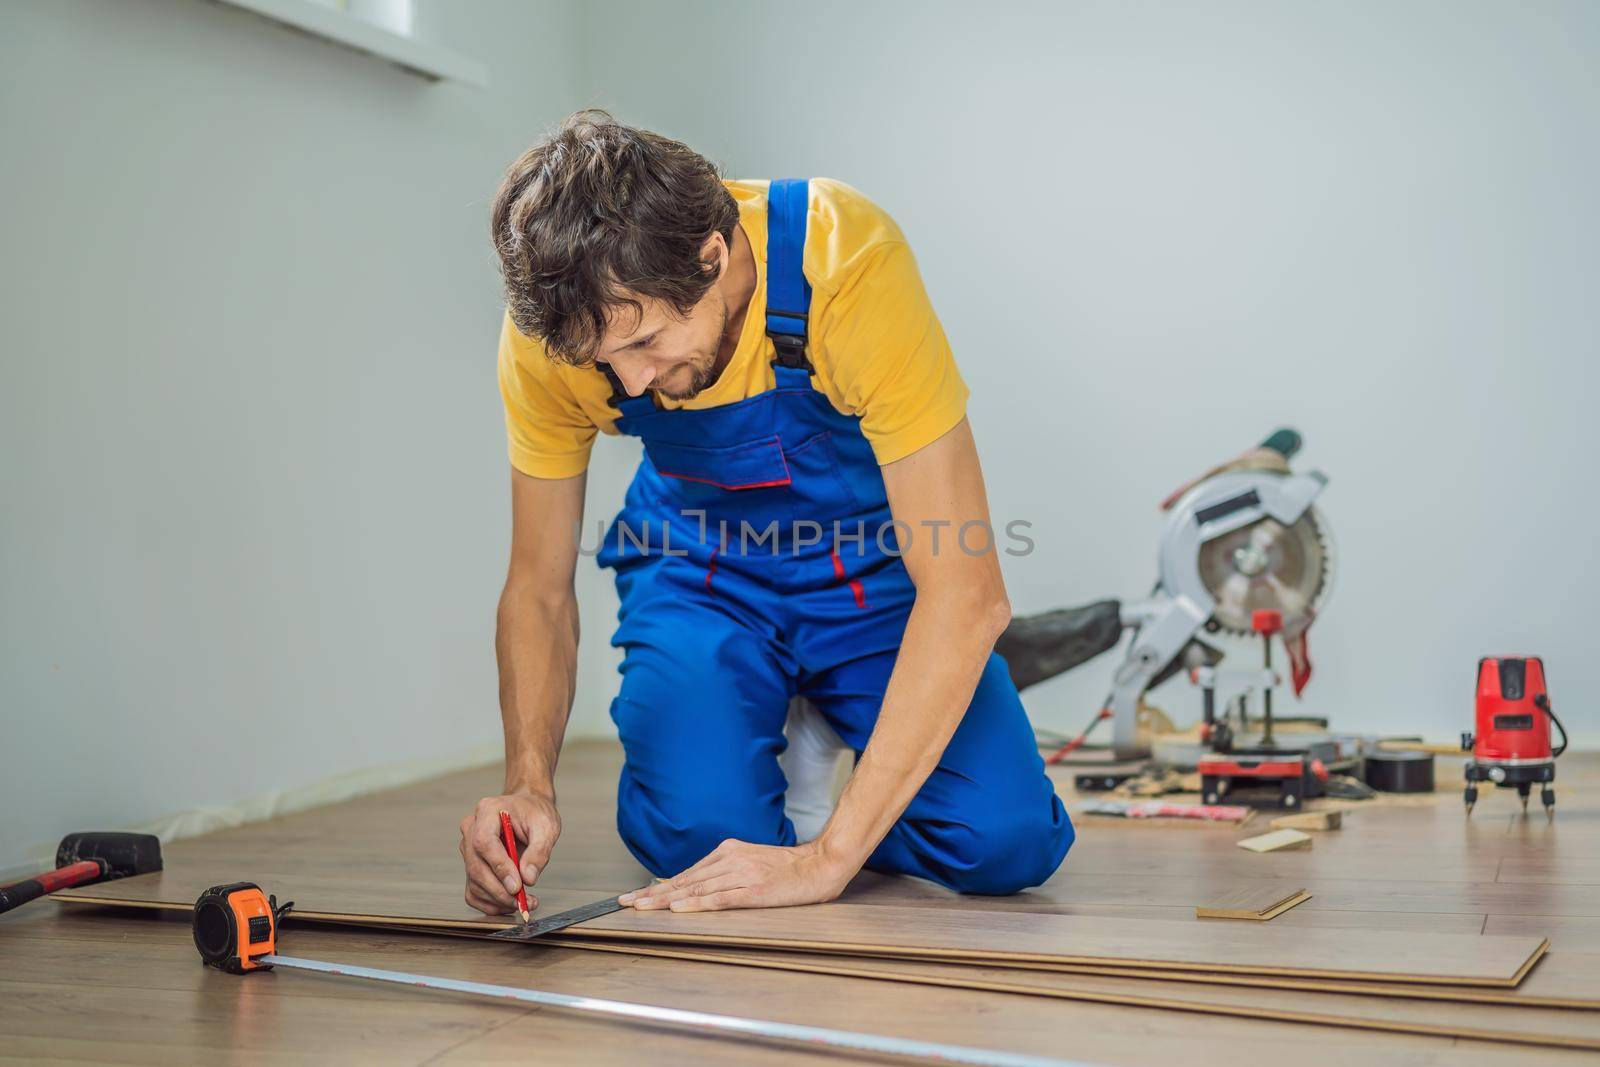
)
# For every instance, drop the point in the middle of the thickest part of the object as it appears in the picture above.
(19, 893)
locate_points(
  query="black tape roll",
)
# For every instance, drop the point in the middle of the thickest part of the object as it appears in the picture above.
(1399, 772)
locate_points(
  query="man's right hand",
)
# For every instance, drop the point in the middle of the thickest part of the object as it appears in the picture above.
(492, 879)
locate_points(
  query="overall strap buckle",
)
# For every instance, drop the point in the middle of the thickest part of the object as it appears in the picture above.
(791, 350)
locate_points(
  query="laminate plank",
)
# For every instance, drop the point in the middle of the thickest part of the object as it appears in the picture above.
(1173, 885)
(1276, 841)
(958, 933)
(318, 895)
(1168, 899)
(1518, 1024)
(1253, 903)
(1569, 981)
(1575, 933)
(990, 936)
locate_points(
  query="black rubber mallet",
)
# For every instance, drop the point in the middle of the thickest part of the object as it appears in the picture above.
(84, 858)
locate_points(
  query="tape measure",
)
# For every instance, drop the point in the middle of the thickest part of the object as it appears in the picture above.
(236, 929)
(236, 925)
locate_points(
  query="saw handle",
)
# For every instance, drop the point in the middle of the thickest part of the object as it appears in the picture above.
(1285, 441)
(1037, 647)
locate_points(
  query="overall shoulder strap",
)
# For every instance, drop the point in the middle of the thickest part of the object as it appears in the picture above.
(788, 292)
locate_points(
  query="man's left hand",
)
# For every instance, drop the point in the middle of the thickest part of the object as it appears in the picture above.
(741, 875)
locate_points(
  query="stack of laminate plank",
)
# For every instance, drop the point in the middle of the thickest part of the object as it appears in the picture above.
(1404, 982)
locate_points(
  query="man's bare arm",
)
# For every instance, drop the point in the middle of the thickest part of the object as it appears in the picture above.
(536, 644)
(961, 608)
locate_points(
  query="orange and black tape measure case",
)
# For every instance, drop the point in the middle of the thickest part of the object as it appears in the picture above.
(234, 926)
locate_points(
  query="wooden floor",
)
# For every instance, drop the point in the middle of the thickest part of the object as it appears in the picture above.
(92, 983)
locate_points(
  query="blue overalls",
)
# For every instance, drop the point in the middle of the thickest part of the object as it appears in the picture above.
(754, 558)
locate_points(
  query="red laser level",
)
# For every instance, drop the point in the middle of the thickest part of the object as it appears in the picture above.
(1512, 744)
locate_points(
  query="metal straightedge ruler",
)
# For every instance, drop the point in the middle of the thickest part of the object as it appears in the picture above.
(700, 1020)
(538, 927)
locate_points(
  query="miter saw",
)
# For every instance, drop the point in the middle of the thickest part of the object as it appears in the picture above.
(1242, 544)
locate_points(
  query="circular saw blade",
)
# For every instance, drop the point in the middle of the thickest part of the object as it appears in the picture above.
(1267, 565)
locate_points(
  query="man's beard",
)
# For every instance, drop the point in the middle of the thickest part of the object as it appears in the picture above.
(701, 374)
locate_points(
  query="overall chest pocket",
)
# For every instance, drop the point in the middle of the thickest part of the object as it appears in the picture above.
(756, 481)
(746, 467)
(747, 482)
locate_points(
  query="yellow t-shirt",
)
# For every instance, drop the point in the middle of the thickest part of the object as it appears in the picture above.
(877, 347)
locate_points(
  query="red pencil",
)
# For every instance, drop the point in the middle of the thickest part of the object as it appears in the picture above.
(511, 850)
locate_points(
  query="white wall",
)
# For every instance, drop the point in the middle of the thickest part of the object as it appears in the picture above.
(1156, 231)
(255, 476)
(252, 506)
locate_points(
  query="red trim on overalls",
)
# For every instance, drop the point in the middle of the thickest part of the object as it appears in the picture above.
(711, 569)
(745, 485)
(855, 586)
(787, 479)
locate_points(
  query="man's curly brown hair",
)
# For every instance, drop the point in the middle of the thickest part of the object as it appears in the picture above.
(597, 216)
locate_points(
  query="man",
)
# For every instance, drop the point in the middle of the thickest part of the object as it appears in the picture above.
(808, 520)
